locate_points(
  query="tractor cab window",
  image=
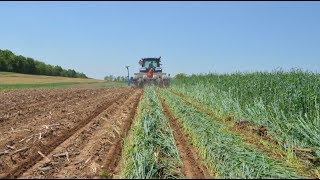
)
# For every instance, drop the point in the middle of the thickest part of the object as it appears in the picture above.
(150, 64)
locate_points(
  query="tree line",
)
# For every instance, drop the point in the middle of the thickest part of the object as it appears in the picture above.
(12, 63)
(116, 78)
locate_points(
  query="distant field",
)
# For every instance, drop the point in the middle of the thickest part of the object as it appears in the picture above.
(17, 78)
(9, 80)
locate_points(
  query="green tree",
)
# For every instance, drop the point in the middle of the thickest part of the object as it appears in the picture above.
(19, 64)
(12, 63)
(31, 69)
(8, 57)
(40, 67)
(3, 62)
(57, 71)
(64, 73)
(71, 73)
(109, 78)
(49, 70)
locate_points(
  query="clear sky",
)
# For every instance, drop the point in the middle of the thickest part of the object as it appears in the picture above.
(101, 38)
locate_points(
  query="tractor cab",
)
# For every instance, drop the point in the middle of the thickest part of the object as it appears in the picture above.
(149, 63)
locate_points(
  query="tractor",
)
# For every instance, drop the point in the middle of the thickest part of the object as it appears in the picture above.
(150, 74)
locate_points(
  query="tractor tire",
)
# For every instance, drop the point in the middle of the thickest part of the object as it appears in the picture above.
(140, 83)
(159, 82)
(166, 82)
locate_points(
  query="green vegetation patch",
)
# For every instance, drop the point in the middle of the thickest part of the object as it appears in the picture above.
(46, 85)
(115, 84)
(224, 152)
(150, 150)
(7, 73)
(286, 103)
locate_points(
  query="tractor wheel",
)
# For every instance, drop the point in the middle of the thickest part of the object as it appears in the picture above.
(166, 82)
(140, 83)
(159, 82)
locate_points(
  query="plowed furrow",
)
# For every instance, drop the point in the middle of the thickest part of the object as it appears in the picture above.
(64, 120)
(88, 148)
(66, 113)
(114, 154)
(28, 109)
(34, 157)
(22, 99)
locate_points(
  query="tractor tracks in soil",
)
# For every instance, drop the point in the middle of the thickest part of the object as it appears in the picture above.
(41, 150)
(192, 165)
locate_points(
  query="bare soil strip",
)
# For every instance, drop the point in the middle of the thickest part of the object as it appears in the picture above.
(33, 152)
(94, 149)
(114, 155)
(16, 114)
(50, 123)
(192, 168)
(23, 99)
(51, 113)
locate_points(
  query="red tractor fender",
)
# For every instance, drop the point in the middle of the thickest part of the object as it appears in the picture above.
(150, 73)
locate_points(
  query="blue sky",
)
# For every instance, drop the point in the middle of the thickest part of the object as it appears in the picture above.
(101, 38)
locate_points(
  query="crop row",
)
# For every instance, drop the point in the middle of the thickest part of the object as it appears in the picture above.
(287, 103)
(223, 151)
(150, 150)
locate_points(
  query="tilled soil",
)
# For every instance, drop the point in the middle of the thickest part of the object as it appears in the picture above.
(91, 150)
(61, 132)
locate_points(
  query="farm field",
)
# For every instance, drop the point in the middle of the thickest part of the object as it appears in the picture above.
(203, 126)
(9, 80)
(48, 122)
(168, 90)
(17, 78)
